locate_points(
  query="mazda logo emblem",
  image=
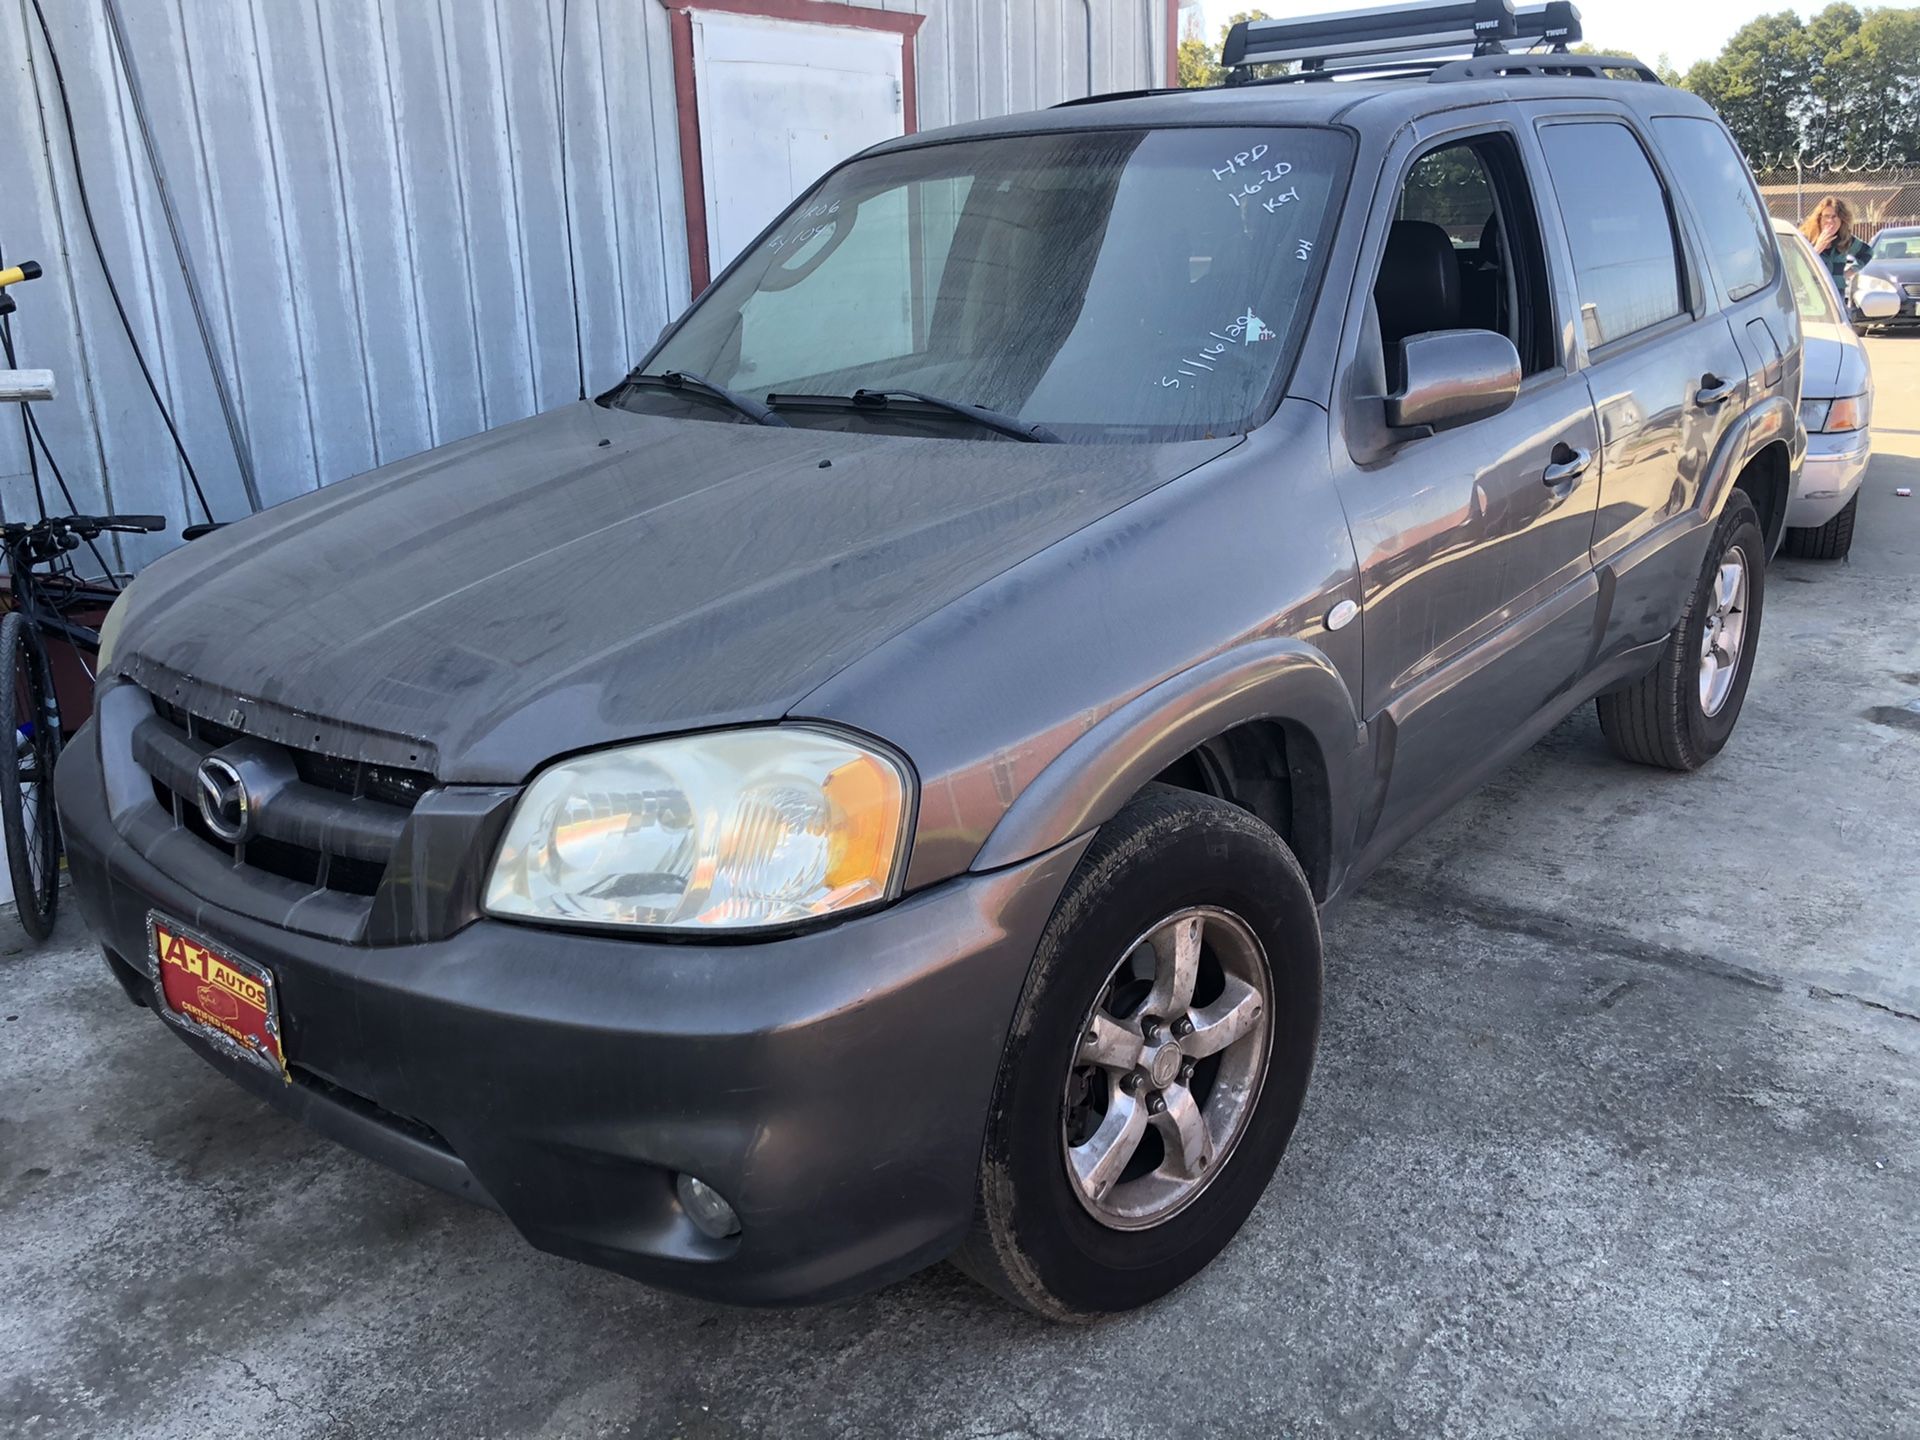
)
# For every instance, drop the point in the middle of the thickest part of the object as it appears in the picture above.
(224, 803)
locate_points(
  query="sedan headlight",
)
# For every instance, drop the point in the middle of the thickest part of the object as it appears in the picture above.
(110, 627)
(1827, 417)
(1863, 282)
(731, 830)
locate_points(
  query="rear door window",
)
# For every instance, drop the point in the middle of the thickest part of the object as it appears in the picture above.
(1707, 167)
(1619, 228)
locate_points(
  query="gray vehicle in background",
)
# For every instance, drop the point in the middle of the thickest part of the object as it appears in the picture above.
(862, 791)
(1885, 290)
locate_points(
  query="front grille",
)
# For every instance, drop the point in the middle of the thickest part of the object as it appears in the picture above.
(1912, 291)
(332, 830)
(384, 783)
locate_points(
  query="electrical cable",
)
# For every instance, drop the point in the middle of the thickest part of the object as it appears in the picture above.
(242, 453)
(566, 200)
(106, 271)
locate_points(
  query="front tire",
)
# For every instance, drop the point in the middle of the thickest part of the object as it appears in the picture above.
(27, 817)
(1157, 1062)
(1830, 541)
(1680, 714)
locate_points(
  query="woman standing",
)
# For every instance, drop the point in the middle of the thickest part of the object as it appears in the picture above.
(1829, 229)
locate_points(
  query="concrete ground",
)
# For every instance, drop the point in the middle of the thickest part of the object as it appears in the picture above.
(1614, 1133)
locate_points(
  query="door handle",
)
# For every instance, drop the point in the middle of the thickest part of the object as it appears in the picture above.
(1568, 465)
(1712, 390)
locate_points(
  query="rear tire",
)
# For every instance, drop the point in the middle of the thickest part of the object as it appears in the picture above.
(27, 817)
(1222, 1072)
(1830, 541)
(1678, 715)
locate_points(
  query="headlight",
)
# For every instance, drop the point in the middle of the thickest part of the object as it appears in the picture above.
(1831, 416)
(1864, 282)
(110, 627)
(725, 831)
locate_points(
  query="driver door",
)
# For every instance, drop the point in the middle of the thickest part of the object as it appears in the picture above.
(1478, 591)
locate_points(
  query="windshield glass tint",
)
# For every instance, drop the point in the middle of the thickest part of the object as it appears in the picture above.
(1108, 284)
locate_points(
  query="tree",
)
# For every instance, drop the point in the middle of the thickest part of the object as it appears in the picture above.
(1871, 113)
(1758, 83)
(1662, 63)
(1843, 86)
(1830, 95)
(1200, 62)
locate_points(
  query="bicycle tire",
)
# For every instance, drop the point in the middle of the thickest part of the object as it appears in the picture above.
(32, 829)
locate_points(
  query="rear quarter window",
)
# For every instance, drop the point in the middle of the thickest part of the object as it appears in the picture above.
(1710, 172)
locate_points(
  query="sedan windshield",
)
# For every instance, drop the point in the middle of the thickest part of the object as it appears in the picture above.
(1903, 245)
(1102, 285)
(1813, 291)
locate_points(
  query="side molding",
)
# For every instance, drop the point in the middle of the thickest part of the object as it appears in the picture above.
(1092, 778)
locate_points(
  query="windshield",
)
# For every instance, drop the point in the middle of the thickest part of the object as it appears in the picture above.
(1905, 246)
(1812, 290)
(1111, 284)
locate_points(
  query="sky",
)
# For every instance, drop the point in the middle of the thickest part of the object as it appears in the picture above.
(1646, 28)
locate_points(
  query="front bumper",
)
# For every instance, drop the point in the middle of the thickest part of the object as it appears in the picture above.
(832, 1085)
(1830, 476)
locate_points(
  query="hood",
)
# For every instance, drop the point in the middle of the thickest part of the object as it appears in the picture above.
(1833, 362)
(1903, 271)
(1823, 352)
(593, 575)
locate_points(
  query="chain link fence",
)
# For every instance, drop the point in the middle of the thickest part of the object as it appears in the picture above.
(1881, 197)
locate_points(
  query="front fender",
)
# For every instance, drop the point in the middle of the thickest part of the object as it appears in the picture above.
(1275, 679)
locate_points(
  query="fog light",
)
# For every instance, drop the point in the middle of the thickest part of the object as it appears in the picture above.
(705, 1208)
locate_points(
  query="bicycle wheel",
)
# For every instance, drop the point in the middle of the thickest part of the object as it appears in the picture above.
(26, 798)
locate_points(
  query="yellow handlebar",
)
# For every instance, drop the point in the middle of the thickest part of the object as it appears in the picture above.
(14, 274)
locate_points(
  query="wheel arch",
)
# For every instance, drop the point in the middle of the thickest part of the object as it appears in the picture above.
(1767, 479)
(1758, 454)
(1269, 725)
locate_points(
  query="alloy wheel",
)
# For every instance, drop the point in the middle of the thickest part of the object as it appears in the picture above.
(1724, 632)
(1168, 1068)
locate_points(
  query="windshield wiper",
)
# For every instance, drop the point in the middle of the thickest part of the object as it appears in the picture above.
(877, 400)
(688, 380)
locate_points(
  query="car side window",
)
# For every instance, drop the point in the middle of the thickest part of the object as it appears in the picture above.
(1463, 252)
(1620, 228)
(1714, 177)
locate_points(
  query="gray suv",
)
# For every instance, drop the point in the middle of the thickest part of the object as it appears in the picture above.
(862, 791)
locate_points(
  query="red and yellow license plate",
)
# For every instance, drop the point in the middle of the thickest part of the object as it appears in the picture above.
(217, 994)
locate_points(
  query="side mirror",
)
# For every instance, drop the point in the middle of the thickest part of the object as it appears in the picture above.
(1877, 304)
(1450, 377)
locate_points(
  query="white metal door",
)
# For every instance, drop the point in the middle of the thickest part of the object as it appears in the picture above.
(781, 102)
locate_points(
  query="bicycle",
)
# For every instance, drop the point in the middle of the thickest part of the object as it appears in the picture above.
(45, 598)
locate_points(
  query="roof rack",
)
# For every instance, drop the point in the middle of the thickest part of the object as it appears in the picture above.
(1583, 67)
(1442, 39)
(1115, 95)
(1316, 40)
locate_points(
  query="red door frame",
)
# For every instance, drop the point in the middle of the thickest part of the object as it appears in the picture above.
(686, 102)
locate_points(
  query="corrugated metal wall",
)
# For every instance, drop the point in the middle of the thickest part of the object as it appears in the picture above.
(370, 192)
